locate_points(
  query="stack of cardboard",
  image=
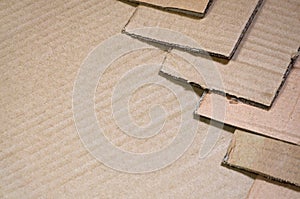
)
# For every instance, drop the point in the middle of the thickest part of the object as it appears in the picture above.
(240, 56)
(259, 60)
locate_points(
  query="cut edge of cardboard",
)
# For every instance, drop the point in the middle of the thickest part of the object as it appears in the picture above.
(261, 117)
(240, 99)
(189, 13)
(266, 188)
(198, 50)
(225, 161)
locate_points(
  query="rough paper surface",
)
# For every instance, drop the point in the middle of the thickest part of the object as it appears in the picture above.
(258, 67)
(190, 7)
(269, 157)
(42, 47)
(281, 121)
(266, 188)
(219, 33)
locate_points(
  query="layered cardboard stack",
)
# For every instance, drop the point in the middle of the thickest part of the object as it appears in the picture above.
(240, 56)
(253, 59)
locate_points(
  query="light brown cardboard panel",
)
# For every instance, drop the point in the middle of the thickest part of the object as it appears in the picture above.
(219, 33)
(194, 174)
(266, 156)
(191, 7)
(41, 153)
(281, 121)
(257, 70)
(266, 188)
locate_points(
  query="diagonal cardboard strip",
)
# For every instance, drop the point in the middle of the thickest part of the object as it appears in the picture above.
(266, 156)
(280, 122)
(42, 47)
(259, 67)
(219, 33)
(266, 188)
(197, 8)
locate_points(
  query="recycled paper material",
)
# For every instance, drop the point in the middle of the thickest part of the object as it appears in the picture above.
(196, 8)
(281, 121)
(260, 65)
(219, 33)
(42, 47)
(266, 156)
(266, 188)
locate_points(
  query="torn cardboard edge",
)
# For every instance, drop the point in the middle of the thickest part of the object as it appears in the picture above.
(248, 24)
(286, 74)
(37, 113)
(249, 152)
(173, 9)
(260, 66)
(196, 50)
(241, 99)
(234, 97)
(259, 173)
(280, 122)
(267, 188)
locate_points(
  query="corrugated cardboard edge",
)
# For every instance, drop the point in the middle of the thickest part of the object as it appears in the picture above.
(291, 65)
(174, 9)
(42, 155)
(260, 34)
(197, 50)
(240, 99)
(255, 119)
(266, 188)
(231, 149)
(247, 26)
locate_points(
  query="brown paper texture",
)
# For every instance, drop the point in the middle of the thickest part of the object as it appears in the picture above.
(266, 188)
(281, 121)
(196, 8)
(266, 156)
(219, 33)
(258, 68)
(42, 47)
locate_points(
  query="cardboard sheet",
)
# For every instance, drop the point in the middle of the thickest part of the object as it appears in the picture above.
(196, 8)
(219, 33)
(258, 68)
(281, 121)
(266, 156)
(42, 47)
(266, 188)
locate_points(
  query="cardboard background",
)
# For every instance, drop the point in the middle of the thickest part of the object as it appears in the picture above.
(42, 47)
